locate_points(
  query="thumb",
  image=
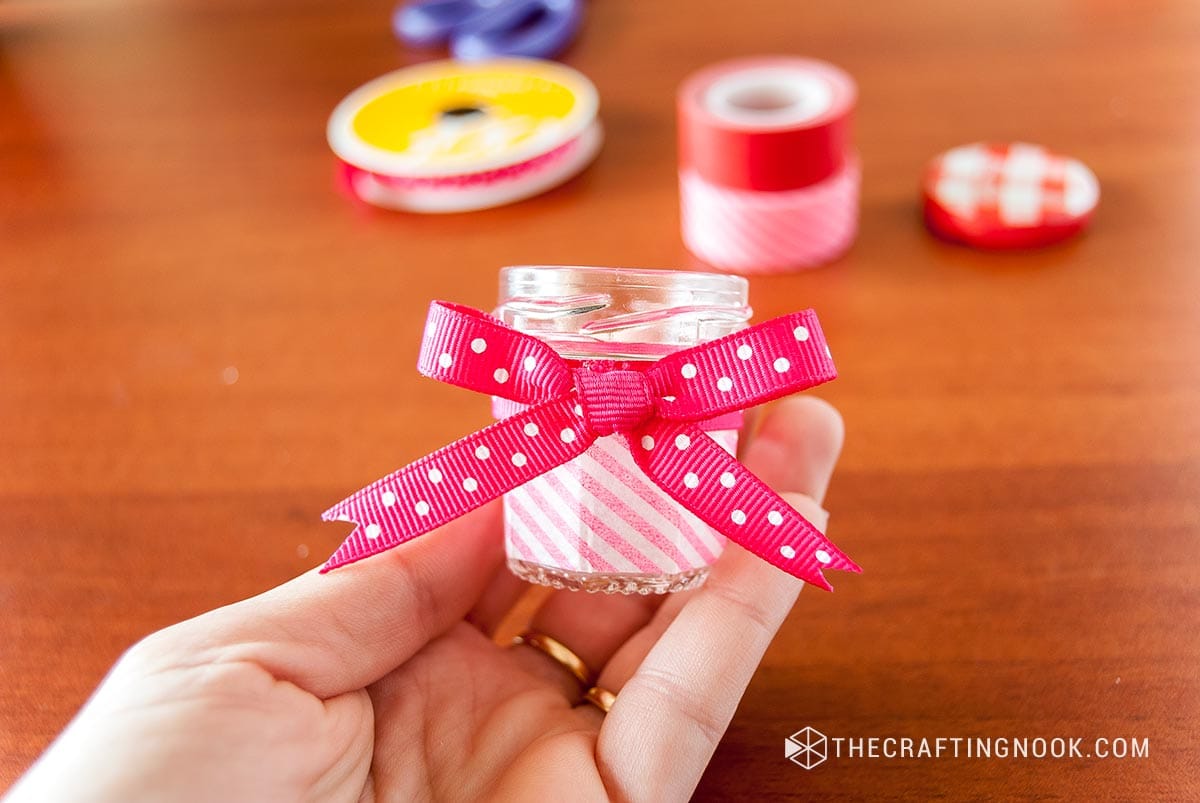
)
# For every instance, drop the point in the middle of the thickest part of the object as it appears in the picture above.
(693, 676)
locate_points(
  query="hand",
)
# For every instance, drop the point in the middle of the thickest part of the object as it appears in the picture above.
(382, 681)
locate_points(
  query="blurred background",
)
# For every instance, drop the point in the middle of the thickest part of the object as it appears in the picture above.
(204, 342)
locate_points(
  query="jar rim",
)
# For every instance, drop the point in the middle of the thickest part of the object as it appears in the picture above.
(621, 313)
(631, 278)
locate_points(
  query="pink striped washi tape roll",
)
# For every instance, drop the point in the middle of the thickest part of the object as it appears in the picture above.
(769, 181)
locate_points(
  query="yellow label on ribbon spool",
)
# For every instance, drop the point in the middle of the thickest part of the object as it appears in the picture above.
(448, 118)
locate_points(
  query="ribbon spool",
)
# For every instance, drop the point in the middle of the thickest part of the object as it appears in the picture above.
(451, 137)
(769, 181)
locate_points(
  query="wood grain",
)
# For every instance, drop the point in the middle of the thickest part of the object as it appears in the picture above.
(192, 323)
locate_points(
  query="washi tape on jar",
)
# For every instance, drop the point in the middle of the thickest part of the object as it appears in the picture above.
(769, 179)
(1014, 195)
(594, 524)
(451, 137)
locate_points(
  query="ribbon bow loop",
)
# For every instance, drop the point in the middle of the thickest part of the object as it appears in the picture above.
(750, 367)
(469, 348)
(656, 411)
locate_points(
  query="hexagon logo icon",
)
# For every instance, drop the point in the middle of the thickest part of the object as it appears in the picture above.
(807, 748)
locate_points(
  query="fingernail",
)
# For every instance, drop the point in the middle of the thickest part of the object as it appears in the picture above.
(823, 524)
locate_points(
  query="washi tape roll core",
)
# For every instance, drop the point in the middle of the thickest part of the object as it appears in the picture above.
(769, 179)
(452, 137)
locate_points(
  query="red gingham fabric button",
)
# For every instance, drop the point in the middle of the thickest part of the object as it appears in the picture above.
(1012, 195)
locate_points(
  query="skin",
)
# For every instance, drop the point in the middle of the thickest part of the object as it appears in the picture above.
(382, 682)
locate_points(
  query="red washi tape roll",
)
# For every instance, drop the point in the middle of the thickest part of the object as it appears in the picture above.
(769, 179)
(1012, 195)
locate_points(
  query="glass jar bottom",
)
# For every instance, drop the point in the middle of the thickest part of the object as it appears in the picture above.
(608, 583)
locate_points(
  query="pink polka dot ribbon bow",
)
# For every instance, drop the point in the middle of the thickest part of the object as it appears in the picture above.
(656, 411)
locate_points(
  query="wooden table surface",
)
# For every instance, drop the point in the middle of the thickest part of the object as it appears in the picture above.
(192, 322)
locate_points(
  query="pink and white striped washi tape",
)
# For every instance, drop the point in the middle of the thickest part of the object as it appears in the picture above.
(769, 181)
(600, 513)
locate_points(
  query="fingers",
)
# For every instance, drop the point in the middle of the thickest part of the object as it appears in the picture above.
(796, 446)
(691, 678)
(502, 592)
(795, 442)
(593, 626)
(331, 633)
(599, 628)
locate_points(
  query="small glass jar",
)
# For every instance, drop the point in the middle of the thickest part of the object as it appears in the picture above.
(597, 523)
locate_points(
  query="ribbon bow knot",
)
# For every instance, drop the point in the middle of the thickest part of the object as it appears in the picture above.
(563, 408)
(613, 399)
